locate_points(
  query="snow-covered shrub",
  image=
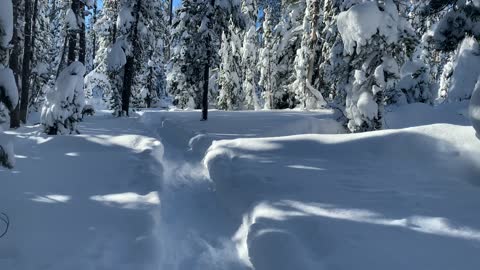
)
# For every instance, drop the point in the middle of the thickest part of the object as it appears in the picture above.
(64, 104)
(474, 109)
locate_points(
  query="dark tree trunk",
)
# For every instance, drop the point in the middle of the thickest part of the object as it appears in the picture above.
(170, 21)
(206, 79)
(72, 35)
(94, 42)
(206, 72)
(27, 53)
(115, 30)
(15, 58)
(83, 37)
(130, 65)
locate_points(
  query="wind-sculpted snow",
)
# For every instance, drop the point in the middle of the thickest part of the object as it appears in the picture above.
(337, 201)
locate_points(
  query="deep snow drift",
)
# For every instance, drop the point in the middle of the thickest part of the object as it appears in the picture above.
(246, 190)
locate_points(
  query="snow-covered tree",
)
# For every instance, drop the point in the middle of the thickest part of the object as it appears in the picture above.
(267, 63)
(305, 94)
(8, 87)
(457, 30)
(230, 74)
(249, 63)
(64, 103)
(375, 36)
(184, 71)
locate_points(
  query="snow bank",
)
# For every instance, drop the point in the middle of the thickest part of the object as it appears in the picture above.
(336, 201)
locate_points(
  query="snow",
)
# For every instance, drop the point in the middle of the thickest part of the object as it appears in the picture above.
(474, 108)
(359, 23)
(7, 84)
(64, 103)
(367, 106)
(71, 20)
(117, 57)
(6, 23)
(466, 70)
(246, 190)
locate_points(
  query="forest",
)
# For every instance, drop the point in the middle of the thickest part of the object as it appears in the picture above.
(239, 134)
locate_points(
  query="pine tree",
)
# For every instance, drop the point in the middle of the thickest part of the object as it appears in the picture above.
(375, 59)
(230, 76)
(249, 62)
(267, 63)
(305, 94)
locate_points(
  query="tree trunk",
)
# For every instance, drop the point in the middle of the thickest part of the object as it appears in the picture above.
(15, 57)
(27, 53)
(94, 42)
(170, 22)
(83, 37)
(315, 9)
(130, 65)
(206, 71)
(72, 35)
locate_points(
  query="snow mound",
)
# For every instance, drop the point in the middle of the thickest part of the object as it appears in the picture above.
(304, 202)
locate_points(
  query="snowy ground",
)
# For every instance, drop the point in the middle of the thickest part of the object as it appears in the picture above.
(263, 190)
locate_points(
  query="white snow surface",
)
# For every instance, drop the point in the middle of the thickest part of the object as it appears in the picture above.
(246, 190)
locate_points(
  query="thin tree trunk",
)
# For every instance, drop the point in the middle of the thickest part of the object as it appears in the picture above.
(130, 65)
(83, 37)
(206, 71)
(15, 58)
(313, 38)
(94, 42)
(27, 53)
(170, 22)
(72, 34)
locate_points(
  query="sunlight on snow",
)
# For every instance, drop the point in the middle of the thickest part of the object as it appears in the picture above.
(128, 200)
(289, 209)
(52, 199)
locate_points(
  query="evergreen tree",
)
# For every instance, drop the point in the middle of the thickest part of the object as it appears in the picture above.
(377, 50)
(230, 74)
(305, 94)
(249, 62)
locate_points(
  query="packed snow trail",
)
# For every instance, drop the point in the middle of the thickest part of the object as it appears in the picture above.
(82, 202)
